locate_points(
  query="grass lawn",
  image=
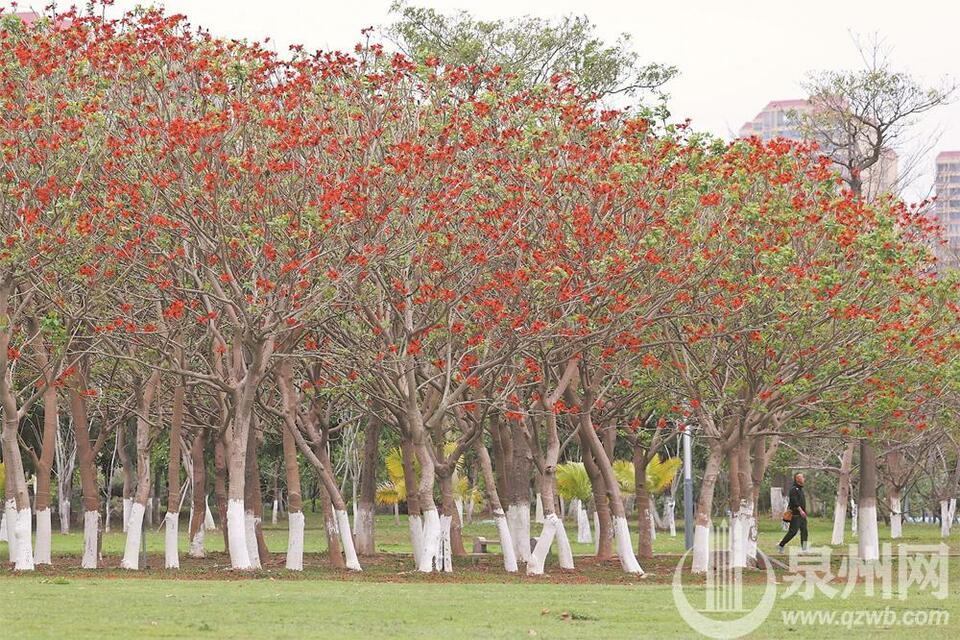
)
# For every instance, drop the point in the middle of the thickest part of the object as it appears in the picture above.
(388, 600)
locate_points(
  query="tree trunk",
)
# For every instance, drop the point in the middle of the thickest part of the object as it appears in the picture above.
(220, 487)
(237, 439)
(338, 520)
(131, 551)
(172, 518)
(291, 466)
(948, 511)
(645, 542)
(601, 508)
(518, 510)
(552, 525)
(621, 530)
(126, 463)
(448, 502)
(743, 515)
(250, 497)
(48, 446)
(895, 497)
(274, 512)
(496, 508)
(869, 542)
(17, 505)
(368, 488)
(198, 518)
(88, 480)
(66, 460)
(433, 529)
(701, 535)
(332, 530)
(584, 535)
(843, 494)
(414, 515)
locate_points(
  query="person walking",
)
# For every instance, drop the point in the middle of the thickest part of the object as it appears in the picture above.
(798, 508)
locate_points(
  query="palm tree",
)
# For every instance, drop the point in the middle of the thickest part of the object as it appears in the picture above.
(658, 477)
(393, 491)
(573, 484)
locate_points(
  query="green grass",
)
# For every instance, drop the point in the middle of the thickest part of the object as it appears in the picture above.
(389, 600)
(94, 608)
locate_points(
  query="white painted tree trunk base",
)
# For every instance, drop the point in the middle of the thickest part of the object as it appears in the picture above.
(41, 552)
(670, 515)
(777, 506)
(538, 517)
(8, 526)
(518, 519)
(295, 541)
(273, 513)
(596, 529)
(208, 522)
(506, 542)
(948, 510)
(564, 551)
(701, 548)
(171, 555)
(237, 536)
(431, 542)
(346, 542)
(127, 506)
(740, 534)
(91, 531)
(552, 530)
(64, 510)
(23, 531)
(538, 556)
(445, 556)
(583, 522)
(415, 524)
(869, 542)
(363, 524)
(752, 542)
(134, 527)
(839, 522)
(896, 518)
(250, 538)
(624, 546)
(197, 548)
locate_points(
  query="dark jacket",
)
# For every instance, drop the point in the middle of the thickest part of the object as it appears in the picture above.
(797, 500)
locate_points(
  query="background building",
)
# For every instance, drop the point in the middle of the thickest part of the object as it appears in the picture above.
(776, 120)
(947, 185)
(779, 120)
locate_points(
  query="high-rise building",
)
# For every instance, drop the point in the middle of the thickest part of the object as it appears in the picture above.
(779, 119)
(947, 208)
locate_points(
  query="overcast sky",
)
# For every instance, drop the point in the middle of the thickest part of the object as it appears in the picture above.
(733, 55)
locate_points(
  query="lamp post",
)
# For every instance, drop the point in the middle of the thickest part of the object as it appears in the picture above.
(687, 487)
(143, 543)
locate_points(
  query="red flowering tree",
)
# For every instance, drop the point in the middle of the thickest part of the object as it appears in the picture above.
(51, 199)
